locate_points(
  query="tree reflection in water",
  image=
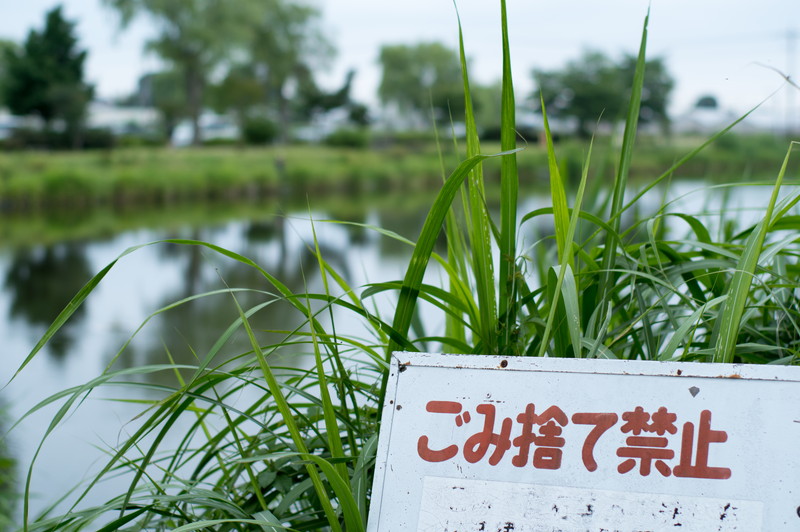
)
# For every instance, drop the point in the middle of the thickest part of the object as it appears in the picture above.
(38, 281)
(41, 282)
(8, 480)
(184, 334)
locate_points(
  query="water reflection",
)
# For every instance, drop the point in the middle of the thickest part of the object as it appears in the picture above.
(41, 282)
(8, 480)
(268, 242)
(407, 223)
(359, 235)
(186, 333)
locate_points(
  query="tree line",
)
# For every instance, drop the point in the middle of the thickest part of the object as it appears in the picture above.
(257, 59)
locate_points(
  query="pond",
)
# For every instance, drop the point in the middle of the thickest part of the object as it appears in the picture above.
(38, 279)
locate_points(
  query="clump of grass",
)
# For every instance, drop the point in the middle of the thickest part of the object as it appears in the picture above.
(300, 453)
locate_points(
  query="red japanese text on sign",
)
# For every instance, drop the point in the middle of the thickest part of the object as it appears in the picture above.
(646, 442)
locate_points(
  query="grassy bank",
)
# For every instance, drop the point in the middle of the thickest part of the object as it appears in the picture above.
(50, 227)
(32, 182)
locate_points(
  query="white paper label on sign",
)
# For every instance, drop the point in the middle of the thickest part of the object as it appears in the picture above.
(459, 505)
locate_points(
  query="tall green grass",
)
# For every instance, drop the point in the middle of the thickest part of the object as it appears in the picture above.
(299, 455)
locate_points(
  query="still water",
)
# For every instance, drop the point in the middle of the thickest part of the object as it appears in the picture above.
(37, 280)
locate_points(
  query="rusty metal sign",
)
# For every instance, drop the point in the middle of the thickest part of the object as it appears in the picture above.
(492, 444)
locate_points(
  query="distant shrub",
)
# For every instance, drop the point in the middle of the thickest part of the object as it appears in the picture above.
(259, 130)
(754, 145)
(409, 140)
(97, 139)
(29, 138)
(220, 141)
(492, 133)
(70, 188)
(139, 141)
(413, 137)
(348, 138)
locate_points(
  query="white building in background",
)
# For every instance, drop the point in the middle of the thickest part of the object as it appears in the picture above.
(100, 114)
(707, 117)
(213, 126)
(322, 125)
(7, 123)
(531, 119)
(122, 120)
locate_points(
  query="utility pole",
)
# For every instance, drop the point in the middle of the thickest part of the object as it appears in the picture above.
(791, 50)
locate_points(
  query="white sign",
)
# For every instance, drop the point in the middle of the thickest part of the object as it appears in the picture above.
(477, 443)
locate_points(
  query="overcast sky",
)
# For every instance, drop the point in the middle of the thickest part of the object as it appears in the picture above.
(710, 46)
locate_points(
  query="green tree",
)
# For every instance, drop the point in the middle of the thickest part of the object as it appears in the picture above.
(658, 85)
(45, 77)
(487, 99)
(164, 92)
(288, 45)
(195, 37)
(707, 101)
(240, 91)
(280, 40)
(594, 86)
(6, 48)
(420, 76)
(314, 100)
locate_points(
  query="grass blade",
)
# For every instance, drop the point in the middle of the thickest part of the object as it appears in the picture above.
(288, 418)
(558, 195)
(424, 247)
(739, 289)
(606, 281)
(479, 227)
(509, 185)
(569, 227)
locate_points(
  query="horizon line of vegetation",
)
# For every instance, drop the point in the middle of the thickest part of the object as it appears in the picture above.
(269, 55)
(146, 177)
